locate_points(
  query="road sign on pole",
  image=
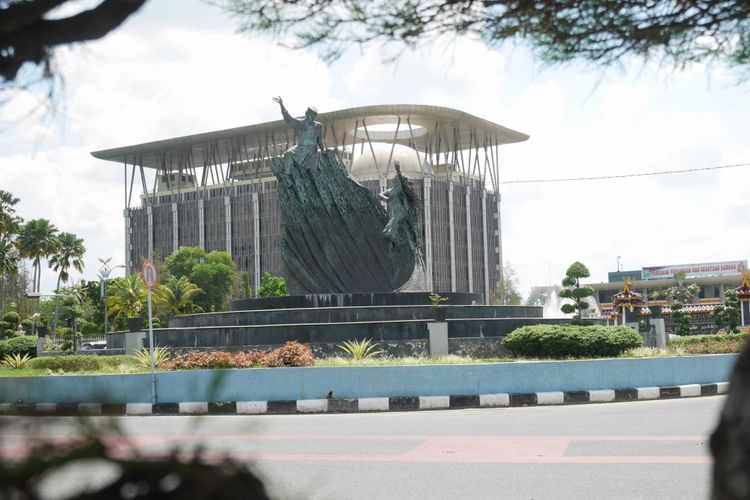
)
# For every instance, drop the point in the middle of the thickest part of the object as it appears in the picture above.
(148, 274)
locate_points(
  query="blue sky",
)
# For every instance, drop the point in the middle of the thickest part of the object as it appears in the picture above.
(179, 67)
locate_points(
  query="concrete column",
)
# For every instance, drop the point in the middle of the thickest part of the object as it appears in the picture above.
(40, 343)
(744, 312)
(126, 215)
(256, 242)
(150, 215)
(427, 203)
(201, 225)
(134, 342)
(438, 338)
(452, 236)
(485, 249)
(228, 223)
(175, 229)
(499, 234)
(661, 332)
(469, 258)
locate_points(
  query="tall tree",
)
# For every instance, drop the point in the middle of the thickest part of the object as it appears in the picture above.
(29, 32)
(674, 31)
(37, 240)
(215, 273)
(507, 288)
(8, 267)
(69, 254)
(575, 291)
(9, 221)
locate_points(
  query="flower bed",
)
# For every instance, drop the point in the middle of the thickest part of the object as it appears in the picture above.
(290, 354)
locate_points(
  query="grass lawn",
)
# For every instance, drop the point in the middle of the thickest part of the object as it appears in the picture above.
(411, 360)
(91, 364)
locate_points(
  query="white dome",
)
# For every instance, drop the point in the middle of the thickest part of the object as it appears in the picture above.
(364, 165)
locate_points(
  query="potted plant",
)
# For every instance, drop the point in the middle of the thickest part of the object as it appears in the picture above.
(439, 312)
(127, 298)
(135, 324)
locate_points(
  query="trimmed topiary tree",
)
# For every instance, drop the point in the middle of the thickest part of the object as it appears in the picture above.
(728, 313)
(680, 318)
(576, 292)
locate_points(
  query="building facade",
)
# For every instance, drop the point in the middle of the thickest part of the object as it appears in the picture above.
(712, 278)
(216, 190)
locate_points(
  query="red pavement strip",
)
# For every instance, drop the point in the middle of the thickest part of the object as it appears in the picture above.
(477, 449)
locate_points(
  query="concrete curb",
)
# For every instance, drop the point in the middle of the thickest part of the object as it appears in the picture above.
(364, 405)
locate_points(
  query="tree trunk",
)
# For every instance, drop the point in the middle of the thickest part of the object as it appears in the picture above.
(2, 294)
(57, 306)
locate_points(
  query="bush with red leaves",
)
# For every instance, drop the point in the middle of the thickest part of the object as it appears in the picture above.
(290, 354)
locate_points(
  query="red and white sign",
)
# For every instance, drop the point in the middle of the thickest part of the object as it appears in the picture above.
(148, 274)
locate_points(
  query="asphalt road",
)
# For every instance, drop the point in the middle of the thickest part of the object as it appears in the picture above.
(651, 449)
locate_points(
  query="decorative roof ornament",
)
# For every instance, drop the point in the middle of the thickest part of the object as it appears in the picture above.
(743, 291)
(628, 298)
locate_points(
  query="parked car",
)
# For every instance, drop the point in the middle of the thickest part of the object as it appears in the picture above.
(94, 345)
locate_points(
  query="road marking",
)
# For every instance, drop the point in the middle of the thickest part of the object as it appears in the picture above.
(463, 449)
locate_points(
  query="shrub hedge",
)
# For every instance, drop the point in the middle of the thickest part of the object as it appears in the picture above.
(290, 354)
(81, 363)
(561, 341)
(18, 345)
(711, 344)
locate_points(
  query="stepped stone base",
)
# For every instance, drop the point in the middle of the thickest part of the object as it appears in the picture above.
(398, 321)
(353, 299)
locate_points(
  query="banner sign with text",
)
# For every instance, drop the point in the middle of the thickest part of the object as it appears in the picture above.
(694, 270)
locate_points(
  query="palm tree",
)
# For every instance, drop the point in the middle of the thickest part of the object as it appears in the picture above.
(8, 266)
(176, 296)
(69, 254)
(9, 221)
(37, 240)
(127, 296)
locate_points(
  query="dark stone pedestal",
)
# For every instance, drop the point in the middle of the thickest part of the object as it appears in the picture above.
(354, 300)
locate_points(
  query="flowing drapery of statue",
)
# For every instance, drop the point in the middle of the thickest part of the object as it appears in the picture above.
(337, 236)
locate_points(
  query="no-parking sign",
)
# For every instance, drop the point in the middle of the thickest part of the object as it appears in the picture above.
(148, 274)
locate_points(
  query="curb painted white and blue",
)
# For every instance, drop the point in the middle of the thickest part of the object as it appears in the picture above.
(362, 405)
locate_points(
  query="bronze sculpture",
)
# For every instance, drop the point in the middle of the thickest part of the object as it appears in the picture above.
(309, 138)
(404, 207)
(337, 236)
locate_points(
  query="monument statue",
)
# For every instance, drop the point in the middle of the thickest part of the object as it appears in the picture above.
(309, 138)
(337, 235)
(404, 206)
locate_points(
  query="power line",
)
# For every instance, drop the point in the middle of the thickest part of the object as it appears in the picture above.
(622, 176)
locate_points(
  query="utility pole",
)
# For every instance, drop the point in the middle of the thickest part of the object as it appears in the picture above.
(104, 272)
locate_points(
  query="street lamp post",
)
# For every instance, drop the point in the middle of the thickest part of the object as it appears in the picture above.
(104, 273)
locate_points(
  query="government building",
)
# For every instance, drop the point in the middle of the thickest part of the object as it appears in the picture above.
(712, 278)
(216, 191)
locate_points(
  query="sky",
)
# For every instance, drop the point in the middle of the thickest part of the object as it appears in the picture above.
(179, 67)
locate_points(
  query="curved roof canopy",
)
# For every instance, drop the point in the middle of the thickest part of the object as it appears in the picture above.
(409, 124)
